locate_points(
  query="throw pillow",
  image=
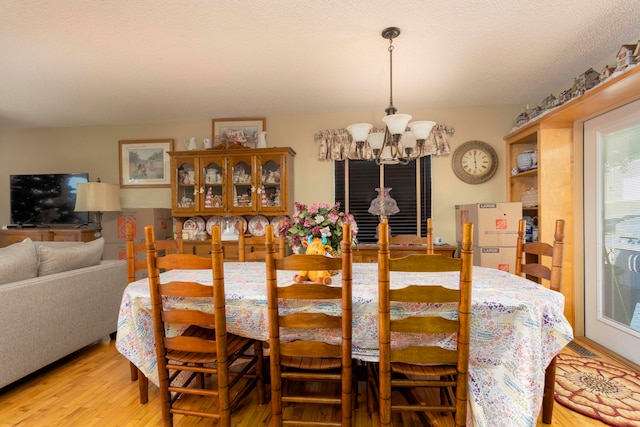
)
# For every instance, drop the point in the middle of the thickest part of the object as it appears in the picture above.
(57, 260)
(18, 262)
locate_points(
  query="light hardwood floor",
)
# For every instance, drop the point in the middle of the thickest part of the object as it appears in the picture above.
(92, 388)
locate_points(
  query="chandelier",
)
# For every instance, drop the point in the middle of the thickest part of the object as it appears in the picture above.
(387, 146)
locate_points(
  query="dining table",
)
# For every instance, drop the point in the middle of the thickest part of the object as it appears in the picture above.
(517, 327)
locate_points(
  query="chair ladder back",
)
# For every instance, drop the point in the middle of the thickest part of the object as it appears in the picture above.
(529, 262)
(135, 255)
(314, 357)
(252, 248)
(399, 360)
(203, 346)
(530, 257)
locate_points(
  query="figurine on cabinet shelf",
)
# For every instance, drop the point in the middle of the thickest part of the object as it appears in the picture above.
(606, 73)
(624, 57)
(549, 102)
(208, 199)
(217, 201)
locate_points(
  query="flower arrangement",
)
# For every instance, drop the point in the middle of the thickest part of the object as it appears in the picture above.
(318, 220)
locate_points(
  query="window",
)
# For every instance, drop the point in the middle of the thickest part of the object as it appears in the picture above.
(355, 183)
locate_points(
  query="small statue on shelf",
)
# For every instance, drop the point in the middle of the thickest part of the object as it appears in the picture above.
(208, 199)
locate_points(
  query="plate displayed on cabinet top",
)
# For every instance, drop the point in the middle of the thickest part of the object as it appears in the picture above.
(213, 221)
(201, 225)
(257, 225)
(275, 221)
(189, 225)
(239, 223)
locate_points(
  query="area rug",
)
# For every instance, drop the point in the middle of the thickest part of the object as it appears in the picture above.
(599, 390)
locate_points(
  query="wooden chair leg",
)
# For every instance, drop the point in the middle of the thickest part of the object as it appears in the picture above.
(548, 396)
(134, 371)
(259, 353)
(143, 388)
(143, 382)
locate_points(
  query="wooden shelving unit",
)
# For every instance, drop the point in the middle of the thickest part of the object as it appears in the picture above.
(552, 136)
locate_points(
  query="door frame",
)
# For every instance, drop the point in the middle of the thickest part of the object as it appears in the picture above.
(597, 329)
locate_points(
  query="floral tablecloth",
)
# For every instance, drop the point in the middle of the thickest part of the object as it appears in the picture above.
(517, 327)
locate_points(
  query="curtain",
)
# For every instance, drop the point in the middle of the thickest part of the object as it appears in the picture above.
(336, 144)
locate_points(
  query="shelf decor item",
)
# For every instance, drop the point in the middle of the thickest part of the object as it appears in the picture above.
(524, 160)
(243, 132)
(145, 163)
(317, 220)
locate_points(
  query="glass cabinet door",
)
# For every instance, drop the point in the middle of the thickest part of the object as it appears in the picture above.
(271, 175)
(185, 196)
(242, 197)
(212, 171)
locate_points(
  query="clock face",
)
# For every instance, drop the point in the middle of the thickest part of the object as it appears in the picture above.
(475, 162)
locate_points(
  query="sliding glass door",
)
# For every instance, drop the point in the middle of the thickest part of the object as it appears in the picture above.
(612, 230)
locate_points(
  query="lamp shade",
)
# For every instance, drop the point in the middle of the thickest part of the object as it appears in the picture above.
(376, 140)
(359, 131)
(383, 204)
(97, 197)
(397, 123)
(421, 129)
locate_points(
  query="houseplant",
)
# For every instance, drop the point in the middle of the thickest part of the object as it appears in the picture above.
(316, 220)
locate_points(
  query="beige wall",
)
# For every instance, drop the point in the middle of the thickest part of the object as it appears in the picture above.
(95, 150)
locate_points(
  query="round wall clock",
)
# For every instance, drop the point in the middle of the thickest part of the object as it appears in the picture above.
(474, 162)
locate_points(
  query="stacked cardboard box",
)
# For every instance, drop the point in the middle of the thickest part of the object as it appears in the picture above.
(114, 228)
(495, 232)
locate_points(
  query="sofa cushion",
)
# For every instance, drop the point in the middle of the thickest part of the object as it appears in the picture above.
(59, 259)
(18, 262)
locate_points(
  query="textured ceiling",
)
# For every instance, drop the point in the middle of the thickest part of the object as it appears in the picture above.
(87, 62)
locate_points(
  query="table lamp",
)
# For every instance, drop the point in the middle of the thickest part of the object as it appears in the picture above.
(383, 205)
(97, 197)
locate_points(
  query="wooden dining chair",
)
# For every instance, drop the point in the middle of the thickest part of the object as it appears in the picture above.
(252, 248)
(137, 262)
(413, 239)
(304, 359)
(542, 262)
(204, 347)
(419, 369)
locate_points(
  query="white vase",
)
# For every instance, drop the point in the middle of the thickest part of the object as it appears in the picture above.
(262, 139)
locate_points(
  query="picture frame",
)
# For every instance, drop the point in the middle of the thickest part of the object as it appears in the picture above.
(145, 163)
(240, 131)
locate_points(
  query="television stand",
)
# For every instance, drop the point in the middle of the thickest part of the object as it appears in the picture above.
(67, 234)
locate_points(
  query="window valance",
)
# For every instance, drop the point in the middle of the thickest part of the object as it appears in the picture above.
(337, 144)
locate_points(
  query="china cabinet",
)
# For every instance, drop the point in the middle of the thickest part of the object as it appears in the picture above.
(230, 181)
(550, 189)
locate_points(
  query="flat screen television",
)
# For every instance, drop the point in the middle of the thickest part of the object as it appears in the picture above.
(46, 199)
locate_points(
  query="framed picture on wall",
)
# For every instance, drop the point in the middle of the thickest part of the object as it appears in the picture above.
(238, 131)
(145, 163)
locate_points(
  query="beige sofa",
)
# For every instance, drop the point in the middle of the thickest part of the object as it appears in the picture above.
(55, 298)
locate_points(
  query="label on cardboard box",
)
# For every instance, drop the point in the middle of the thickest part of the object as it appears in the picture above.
(501, 258)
